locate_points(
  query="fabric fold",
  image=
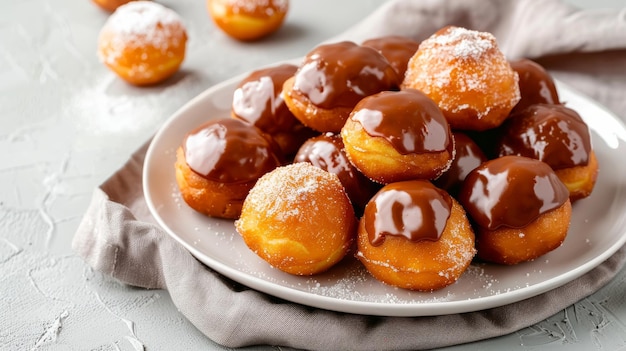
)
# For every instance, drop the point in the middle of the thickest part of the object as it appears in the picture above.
(524, 28)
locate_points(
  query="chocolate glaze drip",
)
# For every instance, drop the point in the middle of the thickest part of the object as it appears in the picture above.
(467, 157)
(398, 50)
(407, 119)
(327, 152)
(414, 209)
(535, 84)
(229, 150)
(341, 74)
(554, 134)
(258, 99)
(511, 191)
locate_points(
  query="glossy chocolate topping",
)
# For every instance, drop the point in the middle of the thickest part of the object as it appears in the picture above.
(327, 152)
(398, 50)
(414, 209)
(511, 191)
(467, 157)
(341, 74)
(258, 99)
(229, 150)
(535, 84)
(408, 119)
(554, 134)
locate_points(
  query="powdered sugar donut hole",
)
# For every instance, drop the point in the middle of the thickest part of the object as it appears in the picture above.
(143, 42)
(467, 75)
(299, 219)
(248, 20)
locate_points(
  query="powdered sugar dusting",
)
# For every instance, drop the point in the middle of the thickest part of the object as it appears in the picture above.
(139, 24)
(439, 60)
(463, 43)
(269, 7)
(142, 18)
(277, 193)
(464, 72)
(283, 193)
(458, 255)
(350, 287)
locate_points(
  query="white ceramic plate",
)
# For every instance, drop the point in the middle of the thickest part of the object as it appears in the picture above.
(598, 229)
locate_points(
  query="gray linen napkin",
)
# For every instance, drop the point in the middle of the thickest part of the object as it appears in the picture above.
(118, 236)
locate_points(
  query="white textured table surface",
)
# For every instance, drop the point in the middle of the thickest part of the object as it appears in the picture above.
(67, 123)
